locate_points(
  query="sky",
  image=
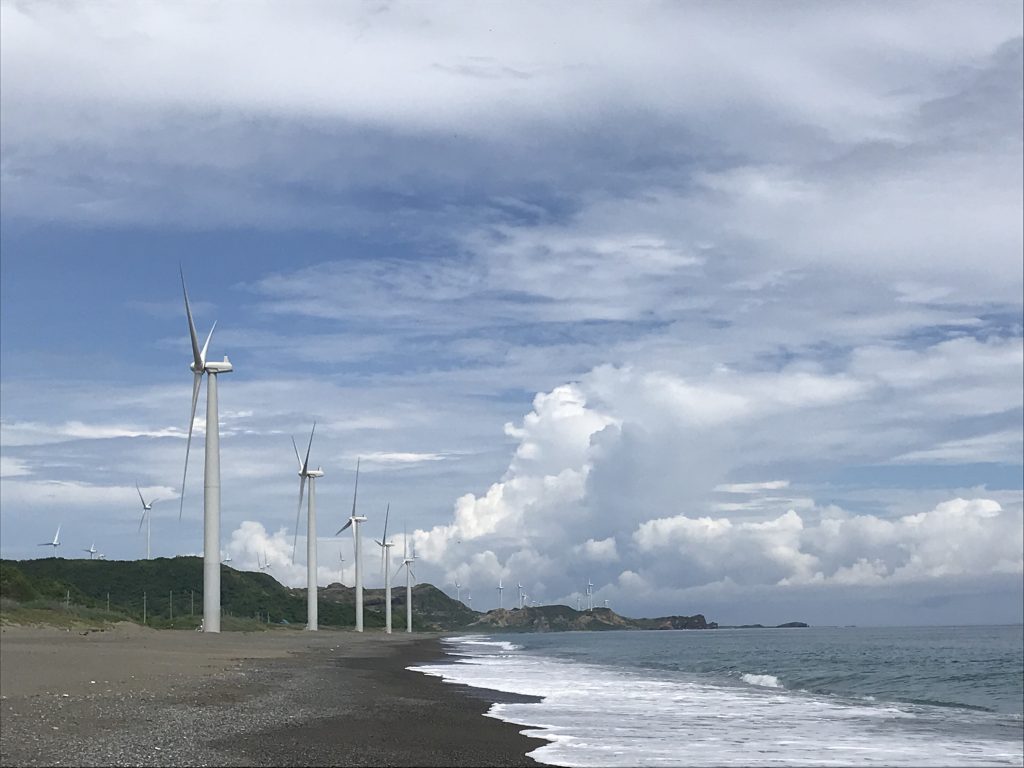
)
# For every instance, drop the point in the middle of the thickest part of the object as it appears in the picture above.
(716, 305)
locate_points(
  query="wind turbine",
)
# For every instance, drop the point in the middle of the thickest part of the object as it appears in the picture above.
(341, 566)
(519, 591)
(590, 595)
(469, 600)
(500, 589)
(91, 550)
(227, 558)
(458, 591)
(211, 481)
(305, 473)
(407, 561)
(147, 515)
(55, 543)
(265, 565)
(354, 520)
(385, 565)
(577, 602)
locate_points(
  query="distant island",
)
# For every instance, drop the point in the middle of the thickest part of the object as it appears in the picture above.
(164, 593)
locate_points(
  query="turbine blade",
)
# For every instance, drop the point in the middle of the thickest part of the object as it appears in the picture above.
(344, 527)
(386, 514)
(140, 494)
(305, 464)
(297, 459)
(196, 355)
(196, 380)
(413, 574)
(298, 515)
(206, 344)
(56, 539)
(142, 521)
(355, 491)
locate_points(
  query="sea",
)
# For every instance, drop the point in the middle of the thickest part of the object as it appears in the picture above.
(822, 696)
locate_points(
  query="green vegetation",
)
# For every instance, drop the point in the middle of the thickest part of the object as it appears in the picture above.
(171, 588)
(64, 591)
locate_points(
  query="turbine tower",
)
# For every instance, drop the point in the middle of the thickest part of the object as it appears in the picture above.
(211, 479)
(469, 600)
(55, 543)
(305, 473)
(385, 565)
(500, 589)
(354, 520)
(590, 595)
(341, 567)
(407, 561)
(520, 593)
(458, 591)
(265, 565)
(147, 514)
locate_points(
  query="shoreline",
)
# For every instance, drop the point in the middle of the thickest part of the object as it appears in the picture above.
(137, 696)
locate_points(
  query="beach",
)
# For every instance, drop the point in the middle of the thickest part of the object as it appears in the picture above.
(134, 696)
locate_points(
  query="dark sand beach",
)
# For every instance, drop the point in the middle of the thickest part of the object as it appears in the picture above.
(133, 696)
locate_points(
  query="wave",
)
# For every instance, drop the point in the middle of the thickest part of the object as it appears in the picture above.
(601, 715)
(765, 681)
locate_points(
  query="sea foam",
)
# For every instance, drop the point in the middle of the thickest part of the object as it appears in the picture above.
(602, 715)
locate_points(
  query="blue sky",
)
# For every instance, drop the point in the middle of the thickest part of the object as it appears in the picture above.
(716, 306)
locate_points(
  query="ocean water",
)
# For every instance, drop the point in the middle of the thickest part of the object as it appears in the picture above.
(910, 696)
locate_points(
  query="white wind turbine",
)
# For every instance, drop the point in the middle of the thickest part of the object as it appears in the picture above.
(227, 558)
(211, 481)
(341, 566)
(407, 561)
(458, 591)
(147, 517)
(385, 565)
(305, 473)
(520, 593)
(500, 590)
(91, 550)
(590, 595)
(469, 600)
(55, 543)
(354, 520)
(265, 565)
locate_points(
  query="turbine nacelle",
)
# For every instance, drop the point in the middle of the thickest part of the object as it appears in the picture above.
(223, 366)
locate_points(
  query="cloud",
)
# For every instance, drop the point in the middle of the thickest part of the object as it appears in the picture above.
(36, 433)
(11, 467)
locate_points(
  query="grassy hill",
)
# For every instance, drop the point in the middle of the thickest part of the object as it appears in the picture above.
(173, 589)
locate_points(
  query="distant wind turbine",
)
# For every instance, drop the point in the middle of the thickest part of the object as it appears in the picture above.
(407, 561)
(91, 550)
(147, 516)
(305, 473)
(227, 558)
(211, 482)
(265, 565)
(469, 600)
(55, 543)
(354, 521)
(590, 595)
(500, 590)
(385, 565)
(458, 591)
(519, 592)
(341, 566)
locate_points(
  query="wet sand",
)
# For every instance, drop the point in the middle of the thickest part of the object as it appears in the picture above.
(133, 696)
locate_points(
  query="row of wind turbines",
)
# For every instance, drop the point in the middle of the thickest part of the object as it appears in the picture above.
(354, 522)
(56, 542)
(211, 503)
